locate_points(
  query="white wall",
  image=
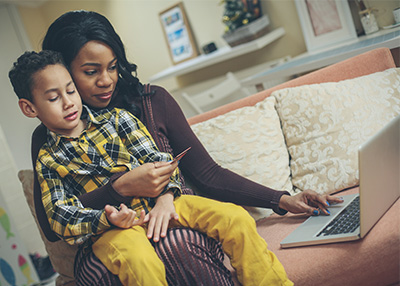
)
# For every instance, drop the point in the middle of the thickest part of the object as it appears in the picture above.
(17, 128)
(15, 131)
(138, 23)
(14, 199)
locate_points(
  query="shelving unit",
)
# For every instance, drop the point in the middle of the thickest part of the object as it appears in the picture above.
(222, 54)
(306, 62)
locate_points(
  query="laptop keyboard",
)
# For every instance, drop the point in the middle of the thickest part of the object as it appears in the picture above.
(347, 221)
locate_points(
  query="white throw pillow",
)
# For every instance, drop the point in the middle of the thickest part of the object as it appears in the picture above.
(249, 142)
(324, 124)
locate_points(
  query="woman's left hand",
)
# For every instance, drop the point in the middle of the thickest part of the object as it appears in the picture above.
(160, 216)
(308, 202)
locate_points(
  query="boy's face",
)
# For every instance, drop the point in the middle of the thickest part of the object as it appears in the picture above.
(56, 101)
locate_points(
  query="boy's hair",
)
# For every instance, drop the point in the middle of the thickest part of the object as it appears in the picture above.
(23, 70)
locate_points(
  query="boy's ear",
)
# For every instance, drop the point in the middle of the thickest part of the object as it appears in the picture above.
(27, 108)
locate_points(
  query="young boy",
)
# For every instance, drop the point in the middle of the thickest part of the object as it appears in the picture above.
(84, 148)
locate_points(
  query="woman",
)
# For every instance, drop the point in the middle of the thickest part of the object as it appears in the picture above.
(103, 76)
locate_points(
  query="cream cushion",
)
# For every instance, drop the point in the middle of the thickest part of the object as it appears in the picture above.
(62, 255)
(324, 124)
(249, 141)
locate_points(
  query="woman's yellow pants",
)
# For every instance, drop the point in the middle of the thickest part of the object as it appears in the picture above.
(129, 254)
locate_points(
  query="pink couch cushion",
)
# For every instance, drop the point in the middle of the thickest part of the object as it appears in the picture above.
(372, 261)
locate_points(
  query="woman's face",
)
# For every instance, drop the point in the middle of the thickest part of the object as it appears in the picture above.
(95, 73)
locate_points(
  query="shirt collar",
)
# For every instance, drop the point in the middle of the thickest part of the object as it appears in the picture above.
(88, 115)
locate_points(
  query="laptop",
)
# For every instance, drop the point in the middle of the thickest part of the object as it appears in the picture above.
(379, 169)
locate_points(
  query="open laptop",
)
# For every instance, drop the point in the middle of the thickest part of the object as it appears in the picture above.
(379, 169)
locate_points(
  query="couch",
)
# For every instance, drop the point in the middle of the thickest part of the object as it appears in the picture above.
(271, 138)
(323, 116)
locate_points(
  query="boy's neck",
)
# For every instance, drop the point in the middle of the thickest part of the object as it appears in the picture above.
(75, 132)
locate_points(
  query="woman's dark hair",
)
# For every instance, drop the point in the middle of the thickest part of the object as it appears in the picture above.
(72, 30)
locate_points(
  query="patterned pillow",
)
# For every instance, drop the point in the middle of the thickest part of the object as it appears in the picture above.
(324, 124)
(249, 142)
(62, 255)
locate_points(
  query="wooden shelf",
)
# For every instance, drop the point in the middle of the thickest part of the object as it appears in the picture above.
(222, 54)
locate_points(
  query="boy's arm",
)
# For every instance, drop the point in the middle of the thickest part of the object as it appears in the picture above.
(66, 215)
(140, 143)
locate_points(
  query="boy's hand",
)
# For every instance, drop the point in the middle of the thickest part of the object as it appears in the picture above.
(125, 217)
(160, 215)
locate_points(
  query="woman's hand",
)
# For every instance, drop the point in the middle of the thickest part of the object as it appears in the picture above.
(147, 180)
(124, 217)
(160, 215)
(308, 202)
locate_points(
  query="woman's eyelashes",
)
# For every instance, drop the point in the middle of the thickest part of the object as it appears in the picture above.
(90, 72)
(93, 72)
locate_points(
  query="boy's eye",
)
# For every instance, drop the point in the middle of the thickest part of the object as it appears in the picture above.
(53, 99)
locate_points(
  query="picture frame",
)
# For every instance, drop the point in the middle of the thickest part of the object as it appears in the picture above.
(178, 34)
(325, 23)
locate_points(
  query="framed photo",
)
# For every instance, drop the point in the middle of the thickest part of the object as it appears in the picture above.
(325, 22)
(178, 34)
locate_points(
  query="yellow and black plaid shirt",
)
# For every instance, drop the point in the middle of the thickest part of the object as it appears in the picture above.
(113, 141)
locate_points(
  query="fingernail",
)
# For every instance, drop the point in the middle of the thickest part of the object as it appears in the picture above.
(328, 203)
(315, 212)
(328, 211)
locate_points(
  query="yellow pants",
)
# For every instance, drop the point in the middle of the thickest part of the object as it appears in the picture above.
(129, 254)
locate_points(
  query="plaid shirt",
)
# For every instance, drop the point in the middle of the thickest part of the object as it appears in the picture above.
(113, 141)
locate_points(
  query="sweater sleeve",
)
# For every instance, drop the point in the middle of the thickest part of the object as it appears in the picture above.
(213, 180)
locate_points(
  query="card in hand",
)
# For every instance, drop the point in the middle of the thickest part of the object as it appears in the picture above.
(180, 155)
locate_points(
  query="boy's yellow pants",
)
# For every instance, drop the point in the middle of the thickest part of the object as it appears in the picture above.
(129, 254)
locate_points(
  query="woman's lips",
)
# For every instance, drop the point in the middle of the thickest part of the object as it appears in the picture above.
(72, 116)
(104, 96)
